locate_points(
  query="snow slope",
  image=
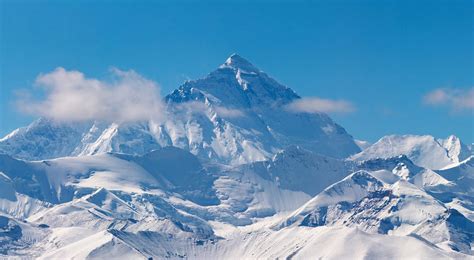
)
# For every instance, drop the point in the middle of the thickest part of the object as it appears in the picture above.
(124, 206)
(425, 151)
(298, 169)
(393, 206)
(324, 243)
(166, 194)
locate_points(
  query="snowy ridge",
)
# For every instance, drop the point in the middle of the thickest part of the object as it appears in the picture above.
(397, 208)
(127, 208)
(425, 151)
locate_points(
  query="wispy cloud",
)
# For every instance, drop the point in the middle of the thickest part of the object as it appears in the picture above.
(192, 107)
(455, 99)
(318, 105)
(70, 96)
(229, 113)
(197, 107)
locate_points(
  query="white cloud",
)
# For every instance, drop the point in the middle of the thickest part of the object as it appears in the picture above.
(229, 113)
(70, 96)
(192, 107)
(197, 107)
(456, 99)
(318, 105)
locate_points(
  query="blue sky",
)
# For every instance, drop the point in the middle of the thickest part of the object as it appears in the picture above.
(382, 56)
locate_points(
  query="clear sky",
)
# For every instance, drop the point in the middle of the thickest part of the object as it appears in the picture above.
(385, 57)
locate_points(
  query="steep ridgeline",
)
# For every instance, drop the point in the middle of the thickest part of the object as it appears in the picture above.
(234, 115)
(245, 109)
(382, 202)
(165, 197)
(424, 150)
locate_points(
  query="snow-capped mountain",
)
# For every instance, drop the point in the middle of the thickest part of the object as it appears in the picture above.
(234, 115)
(295, 168)
(166, 194)
(425, 151)
(385, 204)
(230, 173)
(116, 204)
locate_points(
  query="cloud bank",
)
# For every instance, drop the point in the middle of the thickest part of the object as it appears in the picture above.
(455, 99)
(319, 105)
(70, 96)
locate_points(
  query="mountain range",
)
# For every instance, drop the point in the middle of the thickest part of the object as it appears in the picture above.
(231, 172)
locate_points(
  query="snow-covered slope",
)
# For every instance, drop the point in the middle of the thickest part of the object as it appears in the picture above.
(43, 139)
(298, 169)
(425, 151)
(95, 196)
(246, 107)
(322, 243)
(169, 204)
(234, 115)
(452, 186)
(382, 202)
(459, 194)
(167, 195)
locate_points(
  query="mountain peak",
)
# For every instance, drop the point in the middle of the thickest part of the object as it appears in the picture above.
(235, 61)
